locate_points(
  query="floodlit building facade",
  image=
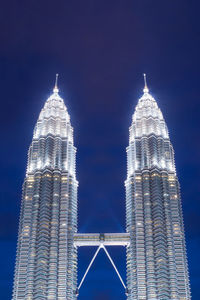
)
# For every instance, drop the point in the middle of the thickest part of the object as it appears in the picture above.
(156, 258)
(46, 263)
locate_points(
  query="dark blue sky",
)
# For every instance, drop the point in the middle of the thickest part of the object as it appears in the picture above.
(100, 49)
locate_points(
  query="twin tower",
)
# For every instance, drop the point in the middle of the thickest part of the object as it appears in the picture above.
(46, 263)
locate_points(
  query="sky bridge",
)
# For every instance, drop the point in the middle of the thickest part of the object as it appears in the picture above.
(101, 240)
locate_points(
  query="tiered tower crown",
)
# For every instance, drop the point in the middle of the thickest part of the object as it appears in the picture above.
(149, 136)
(53, 132)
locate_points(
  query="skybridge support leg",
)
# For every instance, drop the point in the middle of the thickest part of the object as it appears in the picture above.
(89, 267)
(114, 266)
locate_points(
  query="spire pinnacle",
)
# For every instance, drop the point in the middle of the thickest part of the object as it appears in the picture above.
(145, 90)
(56, 90)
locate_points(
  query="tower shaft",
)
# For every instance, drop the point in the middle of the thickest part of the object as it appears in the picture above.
(156, 258)
(46, 263)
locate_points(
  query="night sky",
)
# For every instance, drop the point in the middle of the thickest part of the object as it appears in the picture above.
(100, 49)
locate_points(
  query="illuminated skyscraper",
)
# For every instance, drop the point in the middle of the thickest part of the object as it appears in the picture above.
(46, 263)
(156, 258)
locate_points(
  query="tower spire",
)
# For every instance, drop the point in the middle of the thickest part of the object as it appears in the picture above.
(56, 90)
(145, 90)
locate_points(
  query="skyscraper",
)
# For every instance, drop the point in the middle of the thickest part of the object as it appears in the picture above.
(156, 258)
(46, 262)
